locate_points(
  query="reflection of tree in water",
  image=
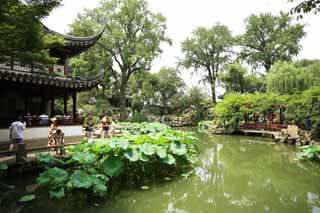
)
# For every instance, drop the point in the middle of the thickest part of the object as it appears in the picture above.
(235, 174)
(239, 174)
(257, 174)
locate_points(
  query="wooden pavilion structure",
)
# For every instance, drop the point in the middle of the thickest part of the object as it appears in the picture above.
(272, 119)
(31, 89)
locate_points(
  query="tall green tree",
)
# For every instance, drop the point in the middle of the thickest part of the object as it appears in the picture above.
(208, 50)
(235, 79)
(21, 30)
(169, 84)
(269, 39)
(132, 39)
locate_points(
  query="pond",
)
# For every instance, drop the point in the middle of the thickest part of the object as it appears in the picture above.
(235, 174)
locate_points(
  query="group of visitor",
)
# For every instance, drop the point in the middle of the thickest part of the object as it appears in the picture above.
(107, 127)
(16, 129)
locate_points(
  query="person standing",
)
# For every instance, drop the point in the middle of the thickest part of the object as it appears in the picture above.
(105, 122)
(16, 133)
(52, 130)
(89, 128)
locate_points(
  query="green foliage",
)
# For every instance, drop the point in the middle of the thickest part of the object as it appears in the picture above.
(112, 166)
(309, 152)
(22, 33)
(52, 177)
(290, 78)
(3, 166)
(139, 117)
(298, 108)
(44, 158)
(196, 101)
(269, 39)
(235, 79)
(208, 50)
(169, 83)
(305, 6)
(80, 179)
(203, 126)
(57, 192)
(156, 88)
(130, 41)
(27, 198)
(137, 155)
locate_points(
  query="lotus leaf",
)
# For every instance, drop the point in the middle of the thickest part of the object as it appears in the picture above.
(3, 166)
(44, 157)
(112, 166)
(142, 139)
(169, 159)
(178, 148)
(143, 157)
(132, 154)
(161, 151)
(84, 158)
(57, 193)
(123, 144)
(27, 198)
(80, 179)
(147, 149)
(53, 176)
(99, 185)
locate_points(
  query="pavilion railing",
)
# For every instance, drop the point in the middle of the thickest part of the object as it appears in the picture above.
(263, 126)
(13, 64)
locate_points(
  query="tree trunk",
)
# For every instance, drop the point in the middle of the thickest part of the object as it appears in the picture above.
(123, 114)
(165, 107)
(213, 90)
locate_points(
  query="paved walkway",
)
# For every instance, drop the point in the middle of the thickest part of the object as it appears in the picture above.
(42, 132)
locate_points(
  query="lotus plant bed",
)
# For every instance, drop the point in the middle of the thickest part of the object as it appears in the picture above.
(143, 153)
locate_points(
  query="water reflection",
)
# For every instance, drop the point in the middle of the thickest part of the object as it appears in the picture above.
(235, 174)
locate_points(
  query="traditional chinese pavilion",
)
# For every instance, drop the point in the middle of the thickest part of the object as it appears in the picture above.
(31, 89)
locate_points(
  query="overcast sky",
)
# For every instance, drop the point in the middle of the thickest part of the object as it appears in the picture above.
(183, 16)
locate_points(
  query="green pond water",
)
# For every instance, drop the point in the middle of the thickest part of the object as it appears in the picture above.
(235, 174)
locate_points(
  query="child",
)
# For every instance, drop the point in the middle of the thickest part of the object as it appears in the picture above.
(58, 139)
(89, 128)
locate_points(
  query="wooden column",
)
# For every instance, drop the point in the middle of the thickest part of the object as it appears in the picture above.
(52, 106)
(74, 105)
(26, 107)
(65, 102)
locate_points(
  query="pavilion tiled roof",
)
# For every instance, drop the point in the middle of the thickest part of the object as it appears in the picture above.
(55, 81)
(73, 45)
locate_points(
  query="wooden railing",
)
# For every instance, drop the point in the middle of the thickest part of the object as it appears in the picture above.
(264, 126)
(22, 152)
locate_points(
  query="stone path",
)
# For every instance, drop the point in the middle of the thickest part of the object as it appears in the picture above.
(42, 132)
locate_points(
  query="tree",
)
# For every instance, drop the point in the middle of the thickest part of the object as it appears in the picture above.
(269, 39)
(235, 79)
(144, 84)
(169, 84)
(22, 33)
(132, 39)
(208, 50)
(295, 77)
(306, 6)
